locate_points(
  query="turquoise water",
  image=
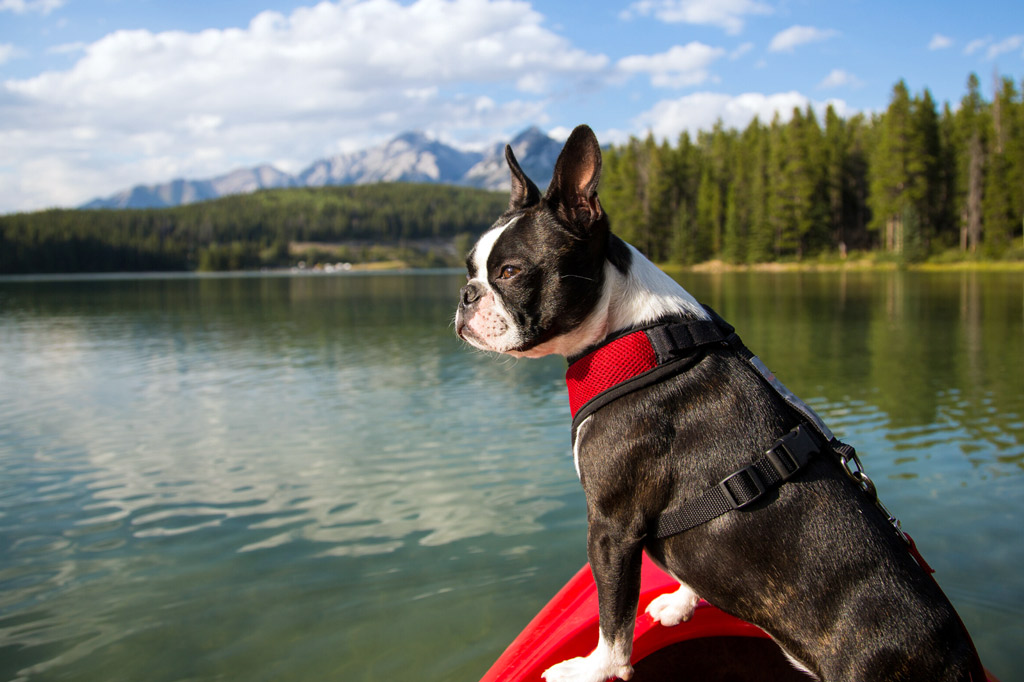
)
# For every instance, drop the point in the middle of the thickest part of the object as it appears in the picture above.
(309, 478)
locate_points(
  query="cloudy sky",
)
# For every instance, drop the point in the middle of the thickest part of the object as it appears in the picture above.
(100, 95)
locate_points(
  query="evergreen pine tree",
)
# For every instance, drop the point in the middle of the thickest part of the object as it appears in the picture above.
(1002, 184)
(759, 233)
(784, 168)
(685, 176)
(971, 165)
(709, 215)
(897, 177)
(926, 154)
(835, 176)
(620, 191)
(947, 222)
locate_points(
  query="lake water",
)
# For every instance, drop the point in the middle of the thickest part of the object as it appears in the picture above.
(310, 478)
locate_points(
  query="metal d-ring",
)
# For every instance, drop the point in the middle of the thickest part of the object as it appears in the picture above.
(866, 484)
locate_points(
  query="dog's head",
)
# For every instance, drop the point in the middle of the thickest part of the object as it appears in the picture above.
(537, 276)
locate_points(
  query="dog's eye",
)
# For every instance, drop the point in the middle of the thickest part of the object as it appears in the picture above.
(509, 271)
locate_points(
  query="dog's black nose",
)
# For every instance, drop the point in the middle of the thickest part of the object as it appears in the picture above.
(470, 294)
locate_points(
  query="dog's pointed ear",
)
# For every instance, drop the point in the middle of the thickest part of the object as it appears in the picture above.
(573, 190)
(524, 192)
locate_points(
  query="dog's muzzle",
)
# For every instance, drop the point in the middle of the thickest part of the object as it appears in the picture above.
(470, 294)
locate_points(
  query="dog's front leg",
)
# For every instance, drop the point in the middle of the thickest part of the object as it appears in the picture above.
(615, 563)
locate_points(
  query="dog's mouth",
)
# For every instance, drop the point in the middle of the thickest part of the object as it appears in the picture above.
(465, 332)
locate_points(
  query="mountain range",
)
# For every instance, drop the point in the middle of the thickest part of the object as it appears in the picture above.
(409, 157)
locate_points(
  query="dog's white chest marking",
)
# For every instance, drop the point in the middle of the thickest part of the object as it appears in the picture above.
(576, 445)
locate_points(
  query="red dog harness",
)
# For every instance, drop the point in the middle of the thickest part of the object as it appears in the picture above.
(638, 358)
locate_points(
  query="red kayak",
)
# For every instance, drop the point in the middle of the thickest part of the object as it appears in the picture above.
(710, 647)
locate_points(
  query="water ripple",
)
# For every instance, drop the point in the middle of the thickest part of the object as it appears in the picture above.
(252, 480)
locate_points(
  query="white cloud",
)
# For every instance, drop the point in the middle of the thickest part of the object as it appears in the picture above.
(740, 51)
(560, 133)
(25, 6)
(795, 36)
(700, 111)
(976, 45)
(838, 78)
(7, 52)
(726, 14)
(681, 66)
(291, 88)
(67, 48)
(1011, 44)
(940, 42)
(995, 49)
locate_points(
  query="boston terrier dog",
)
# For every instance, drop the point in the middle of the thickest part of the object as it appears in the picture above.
(812, 559)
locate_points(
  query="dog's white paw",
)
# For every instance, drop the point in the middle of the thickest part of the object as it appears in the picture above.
(587, 669)
(675, 607)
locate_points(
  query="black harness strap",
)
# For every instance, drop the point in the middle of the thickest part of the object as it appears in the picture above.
(679, 338)
(781, 462)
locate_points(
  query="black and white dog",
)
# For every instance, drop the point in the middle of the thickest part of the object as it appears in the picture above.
(814, 563)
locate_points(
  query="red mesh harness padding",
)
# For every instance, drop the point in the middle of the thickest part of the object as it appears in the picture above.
(637, 358)
(608, 366)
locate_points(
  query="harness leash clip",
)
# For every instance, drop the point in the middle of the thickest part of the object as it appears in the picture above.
(855, 470)
(847, 455)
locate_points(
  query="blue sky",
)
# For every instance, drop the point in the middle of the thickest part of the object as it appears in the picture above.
(100, 95)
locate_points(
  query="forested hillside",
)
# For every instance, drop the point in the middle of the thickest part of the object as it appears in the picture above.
(912, 182)
(244, 231)
(916, 181)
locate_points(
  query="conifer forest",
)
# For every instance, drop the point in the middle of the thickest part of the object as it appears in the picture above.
(912, 182)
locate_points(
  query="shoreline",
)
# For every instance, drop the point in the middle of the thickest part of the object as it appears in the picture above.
(852, 265)
(398, 266)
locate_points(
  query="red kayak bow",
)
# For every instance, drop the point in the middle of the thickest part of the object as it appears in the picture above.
(711, 646)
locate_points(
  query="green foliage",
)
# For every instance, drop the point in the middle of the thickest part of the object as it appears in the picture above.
(249, 231)
(909, 183)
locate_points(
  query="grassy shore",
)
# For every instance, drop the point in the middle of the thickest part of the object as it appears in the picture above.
(853, 263)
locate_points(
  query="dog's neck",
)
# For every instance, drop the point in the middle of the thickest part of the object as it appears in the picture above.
(644, 294)
(639, 296)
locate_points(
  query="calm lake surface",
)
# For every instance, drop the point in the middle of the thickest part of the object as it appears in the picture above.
(310, 478)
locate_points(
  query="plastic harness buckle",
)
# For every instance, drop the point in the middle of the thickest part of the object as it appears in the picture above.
(743, 487)
(791, 453)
